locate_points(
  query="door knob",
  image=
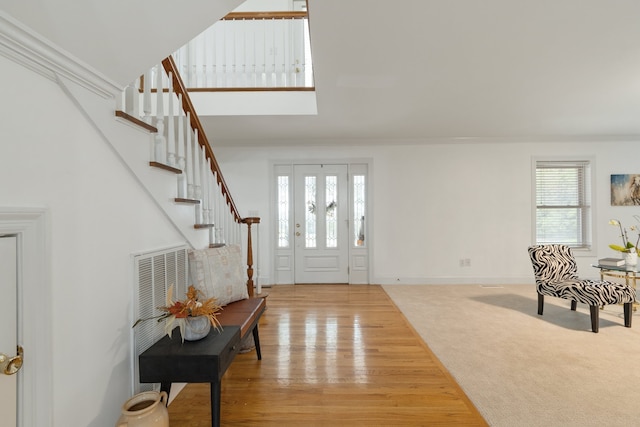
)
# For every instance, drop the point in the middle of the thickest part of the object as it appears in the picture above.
(297, 233)
(11, 365)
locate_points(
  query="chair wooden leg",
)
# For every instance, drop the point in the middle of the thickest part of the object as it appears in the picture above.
(574, 305)
(628, 310)
(595, 317)
(540, 303)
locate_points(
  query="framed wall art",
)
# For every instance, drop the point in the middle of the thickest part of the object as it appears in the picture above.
(625, 190)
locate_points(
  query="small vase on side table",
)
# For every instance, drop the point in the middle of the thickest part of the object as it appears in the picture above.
(631, 258)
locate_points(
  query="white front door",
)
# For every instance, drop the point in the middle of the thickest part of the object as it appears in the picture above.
(321, 224)
(9, 328)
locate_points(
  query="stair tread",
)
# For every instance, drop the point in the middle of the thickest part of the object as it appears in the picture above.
(183, 200)
(165, 167)
(129, 118)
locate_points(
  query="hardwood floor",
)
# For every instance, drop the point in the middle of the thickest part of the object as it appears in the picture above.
(332, 355)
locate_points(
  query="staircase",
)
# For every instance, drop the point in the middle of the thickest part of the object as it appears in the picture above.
(182, 163)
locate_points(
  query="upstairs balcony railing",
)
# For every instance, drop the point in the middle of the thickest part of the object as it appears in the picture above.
(250, 50)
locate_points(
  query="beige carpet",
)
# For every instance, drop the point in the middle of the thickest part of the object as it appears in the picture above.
(521, 369)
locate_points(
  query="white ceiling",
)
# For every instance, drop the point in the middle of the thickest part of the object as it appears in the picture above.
(412, 71)
(446, 70)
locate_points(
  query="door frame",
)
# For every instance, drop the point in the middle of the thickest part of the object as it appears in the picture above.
(9, 322)
(35, 385)
(281, 259)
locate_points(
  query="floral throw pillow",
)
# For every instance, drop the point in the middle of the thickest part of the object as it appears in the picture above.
(218, 273)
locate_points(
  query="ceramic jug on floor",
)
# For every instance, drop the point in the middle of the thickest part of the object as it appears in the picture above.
(146, 409)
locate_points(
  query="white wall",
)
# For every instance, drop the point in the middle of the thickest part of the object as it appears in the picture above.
(435, 204)
(98, 216)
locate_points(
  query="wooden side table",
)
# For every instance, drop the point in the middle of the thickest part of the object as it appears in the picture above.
(204, 361)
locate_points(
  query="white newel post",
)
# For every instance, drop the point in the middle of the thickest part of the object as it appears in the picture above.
(131, 100)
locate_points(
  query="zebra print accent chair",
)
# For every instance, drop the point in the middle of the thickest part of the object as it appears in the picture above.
(556, 274)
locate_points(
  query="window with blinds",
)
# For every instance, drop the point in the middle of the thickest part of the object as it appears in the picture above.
(563, 203)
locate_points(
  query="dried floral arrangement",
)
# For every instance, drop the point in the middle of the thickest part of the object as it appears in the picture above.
(175, 313)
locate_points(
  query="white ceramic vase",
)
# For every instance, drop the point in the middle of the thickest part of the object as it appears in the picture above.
(631, 258)
(196, 328)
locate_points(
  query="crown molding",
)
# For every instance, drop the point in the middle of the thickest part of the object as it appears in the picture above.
(28, 48)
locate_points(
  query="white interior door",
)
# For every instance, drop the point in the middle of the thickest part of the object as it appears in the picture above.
(321, 224)
(9, 328)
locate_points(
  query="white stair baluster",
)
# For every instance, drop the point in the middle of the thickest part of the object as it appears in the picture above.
(284, 54)
(234, 55)
(180, 151)
(211, 187)
(254, 65)
(146, 98)
(196, 165)
(274, 72)
(229, 227)
(220, 207)
(196, 176)
(146, 110)
(160, 140)
(223, 57)
(197, 62)
(191, 192)
(214, 54)
(189, 75)
(205, 194)
(171, 131)
(210, 184)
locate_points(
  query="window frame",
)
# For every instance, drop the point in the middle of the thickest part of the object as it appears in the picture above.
(588, 229)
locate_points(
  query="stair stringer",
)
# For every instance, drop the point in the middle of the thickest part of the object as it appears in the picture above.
(131, 144)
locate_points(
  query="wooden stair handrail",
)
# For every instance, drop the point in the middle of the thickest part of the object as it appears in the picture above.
(179, 87)
(266, 15)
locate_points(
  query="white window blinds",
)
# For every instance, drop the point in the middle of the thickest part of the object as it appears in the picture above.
(563, 203)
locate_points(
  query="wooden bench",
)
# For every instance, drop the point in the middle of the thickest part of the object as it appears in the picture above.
(245, 313)
(218, 272)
